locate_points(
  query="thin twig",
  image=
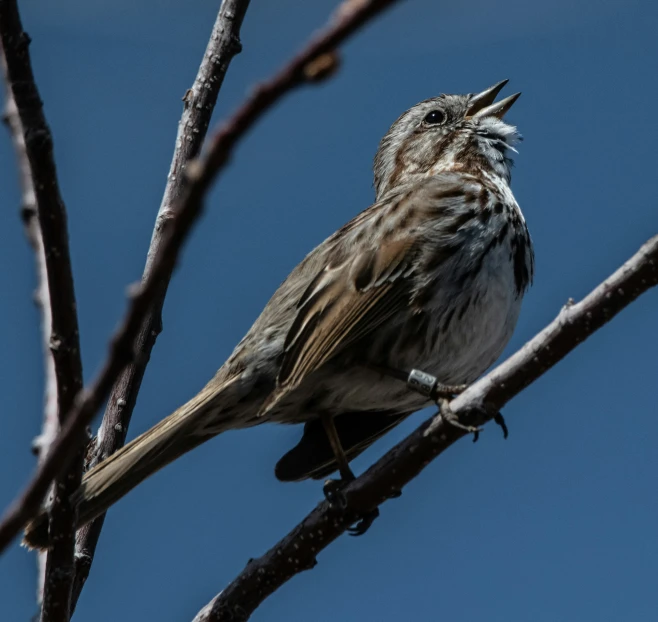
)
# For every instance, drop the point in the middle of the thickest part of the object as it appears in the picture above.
(199, 103)
(297, 551)
(30, 218)
(64, 338)
(301, 70)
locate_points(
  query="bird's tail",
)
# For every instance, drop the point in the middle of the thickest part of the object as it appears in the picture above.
(115, 477)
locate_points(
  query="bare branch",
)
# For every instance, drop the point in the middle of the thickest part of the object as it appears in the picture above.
(297, 551)
(351, 15)
(64, 337)
(199, 103)
(30, 218)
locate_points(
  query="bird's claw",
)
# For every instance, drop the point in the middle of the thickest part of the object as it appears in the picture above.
(449, 417)
(500, 420)
(363, 524)
(333, 493)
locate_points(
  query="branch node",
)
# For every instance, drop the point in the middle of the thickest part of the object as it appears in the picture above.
(55, 343)
(236, 46)
(165, 216)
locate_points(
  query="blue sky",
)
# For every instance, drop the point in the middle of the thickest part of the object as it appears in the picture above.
(556, 523)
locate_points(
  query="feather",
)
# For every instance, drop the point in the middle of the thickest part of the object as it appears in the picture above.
(343, 304)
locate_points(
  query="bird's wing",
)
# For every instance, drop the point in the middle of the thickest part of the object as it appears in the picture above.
(360, 286)
(342, 304)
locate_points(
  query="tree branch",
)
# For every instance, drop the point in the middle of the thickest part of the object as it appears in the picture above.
(199, 103)
(314, 63)
(30, 218)
(64, 337)
(297, 551)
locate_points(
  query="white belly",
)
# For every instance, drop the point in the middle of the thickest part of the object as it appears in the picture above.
(471, 344)
(476, 339)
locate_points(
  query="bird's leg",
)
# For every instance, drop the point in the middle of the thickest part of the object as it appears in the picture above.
(428, 385)
(421, 382)
(336, 446)
(333, 489)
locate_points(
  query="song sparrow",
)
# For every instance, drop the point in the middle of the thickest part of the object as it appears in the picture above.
(431, 276)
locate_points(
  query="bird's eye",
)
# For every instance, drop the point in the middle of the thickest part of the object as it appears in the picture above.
(436, 117)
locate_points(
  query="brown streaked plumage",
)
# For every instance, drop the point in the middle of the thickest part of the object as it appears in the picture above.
(431, 276)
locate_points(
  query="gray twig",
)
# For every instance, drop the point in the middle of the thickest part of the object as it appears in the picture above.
(316, 62)
(64, 338)
(30, 218)
(198, 105)
(480, 403)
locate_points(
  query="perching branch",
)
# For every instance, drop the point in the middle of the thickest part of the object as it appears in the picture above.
(199, 103)
(314, 63)
(30, 218)
(64, 338)
(297, 551)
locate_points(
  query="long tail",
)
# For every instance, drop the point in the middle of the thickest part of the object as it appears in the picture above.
(115, 477)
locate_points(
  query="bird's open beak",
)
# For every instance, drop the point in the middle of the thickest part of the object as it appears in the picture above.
(483, 105)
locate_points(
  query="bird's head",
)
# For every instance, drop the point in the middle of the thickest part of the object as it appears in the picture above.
(448, 133)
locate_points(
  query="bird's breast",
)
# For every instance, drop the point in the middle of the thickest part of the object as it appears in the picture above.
(465, 310)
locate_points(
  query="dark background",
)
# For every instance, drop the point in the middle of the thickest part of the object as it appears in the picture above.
(558, 522)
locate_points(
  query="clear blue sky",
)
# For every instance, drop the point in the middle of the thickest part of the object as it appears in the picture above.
(558, 523)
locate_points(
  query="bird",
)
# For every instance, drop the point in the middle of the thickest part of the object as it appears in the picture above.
(429, 277)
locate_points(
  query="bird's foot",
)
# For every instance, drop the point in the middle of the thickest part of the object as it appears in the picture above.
(333, 492)
(363, 524)
(450, 417)
(446, 414)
